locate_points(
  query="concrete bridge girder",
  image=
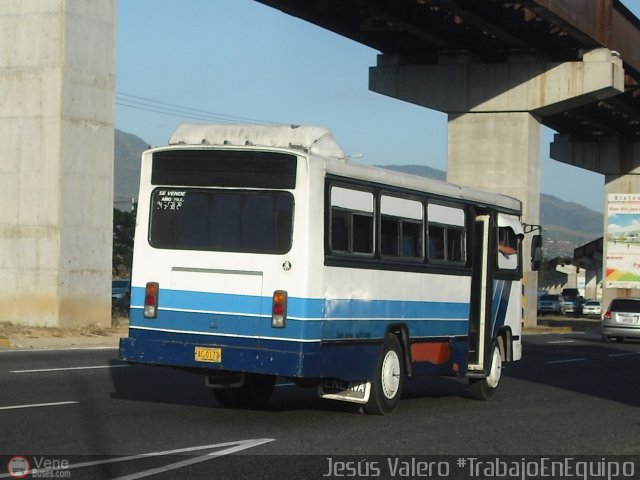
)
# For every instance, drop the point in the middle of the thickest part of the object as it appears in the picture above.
(494, 113)
(523, 85)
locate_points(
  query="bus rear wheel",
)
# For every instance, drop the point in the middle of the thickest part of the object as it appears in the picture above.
(386, 387)
(486, 388)
(255, 392)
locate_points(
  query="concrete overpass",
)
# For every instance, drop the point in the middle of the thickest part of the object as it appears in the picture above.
(499, 70)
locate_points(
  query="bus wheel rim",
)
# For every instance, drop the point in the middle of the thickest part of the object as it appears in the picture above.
(496, 369)
(390, 374)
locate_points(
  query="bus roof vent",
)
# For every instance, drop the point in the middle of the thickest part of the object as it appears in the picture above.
(315, 140)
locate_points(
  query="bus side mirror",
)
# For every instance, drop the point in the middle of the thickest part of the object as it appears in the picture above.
(536, 253)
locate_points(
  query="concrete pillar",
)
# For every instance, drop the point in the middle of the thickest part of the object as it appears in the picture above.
(57, 83)
(494, 112)
(591, 282)
(571, 275)
(619, 161)
(506, 147)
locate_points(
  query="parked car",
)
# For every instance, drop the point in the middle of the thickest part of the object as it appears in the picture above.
(572, 305)
(120, 290)
(551, 303)
(592, 308)
(570, 292)
(120, 296)
(572, 300)
(621, 320)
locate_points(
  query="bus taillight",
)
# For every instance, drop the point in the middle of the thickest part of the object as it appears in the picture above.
(279, 309)
(151, 300)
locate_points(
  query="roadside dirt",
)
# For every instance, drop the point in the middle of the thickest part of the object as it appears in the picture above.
(20, 336)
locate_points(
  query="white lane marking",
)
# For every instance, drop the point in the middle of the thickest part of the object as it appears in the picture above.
(285, 384)
(22, 350)
(227, 448)
(33, 405)
(562, 341)
(243, 445)
(626, 354)
(64, 369)
(569, 360)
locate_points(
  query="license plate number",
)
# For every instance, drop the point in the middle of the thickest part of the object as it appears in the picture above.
(627, 318)
(208, 354)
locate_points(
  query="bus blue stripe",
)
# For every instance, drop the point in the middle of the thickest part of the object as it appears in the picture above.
(360, 319)
(305, 308)
(311, 330)
(501, 293)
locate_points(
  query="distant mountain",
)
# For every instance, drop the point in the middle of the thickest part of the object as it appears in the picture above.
(127, 152)
(566, 225)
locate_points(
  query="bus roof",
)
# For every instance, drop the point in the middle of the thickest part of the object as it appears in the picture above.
(319, 141)
(315, 140)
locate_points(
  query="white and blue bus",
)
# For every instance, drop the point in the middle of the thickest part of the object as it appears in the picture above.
(261, 252)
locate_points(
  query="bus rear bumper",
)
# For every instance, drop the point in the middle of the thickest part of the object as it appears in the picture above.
(296, 359)
(292, 359)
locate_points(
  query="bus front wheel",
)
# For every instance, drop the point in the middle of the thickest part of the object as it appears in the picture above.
(386, 387)
(486, 388)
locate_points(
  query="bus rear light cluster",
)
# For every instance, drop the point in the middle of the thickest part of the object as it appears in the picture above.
(279, 309)
(151, 292)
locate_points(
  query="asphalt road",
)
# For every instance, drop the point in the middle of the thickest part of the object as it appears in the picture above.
(570, 395)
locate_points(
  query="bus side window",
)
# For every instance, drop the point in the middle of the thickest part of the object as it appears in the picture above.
(446, 229)
(389, 236)
(362, 233)
(508, 246)
(455, 244)
(411, 239)
(436, 242)
(401, 224)
(351, 221)
(339, 230)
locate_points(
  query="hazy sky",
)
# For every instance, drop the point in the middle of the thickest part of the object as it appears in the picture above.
(236, 61)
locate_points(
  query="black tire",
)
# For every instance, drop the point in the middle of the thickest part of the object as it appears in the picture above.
(486, 388)
(255, 392)
(386, 387)
(223, 396)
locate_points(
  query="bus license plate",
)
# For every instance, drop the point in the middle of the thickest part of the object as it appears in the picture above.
(208, 354)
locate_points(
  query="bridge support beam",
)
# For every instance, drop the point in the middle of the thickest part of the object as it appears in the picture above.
(57, 83)
(494, 113)
(619, 161)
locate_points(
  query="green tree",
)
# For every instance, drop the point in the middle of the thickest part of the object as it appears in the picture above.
(124, 224)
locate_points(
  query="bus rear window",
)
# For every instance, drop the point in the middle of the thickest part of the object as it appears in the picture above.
(224, 168)
(221, 220)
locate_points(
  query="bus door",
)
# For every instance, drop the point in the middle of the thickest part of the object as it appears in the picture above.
(481, 294)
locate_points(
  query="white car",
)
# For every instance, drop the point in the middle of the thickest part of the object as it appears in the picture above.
(592, 308)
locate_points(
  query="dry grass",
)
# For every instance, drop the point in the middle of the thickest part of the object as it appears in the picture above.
(119, 326)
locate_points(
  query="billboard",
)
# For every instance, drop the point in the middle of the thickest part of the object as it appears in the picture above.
(623, 241)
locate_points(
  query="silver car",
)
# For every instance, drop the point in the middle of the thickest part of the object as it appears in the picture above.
(621, 320)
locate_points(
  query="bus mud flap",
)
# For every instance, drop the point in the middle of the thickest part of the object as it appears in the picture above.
(354, 392)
